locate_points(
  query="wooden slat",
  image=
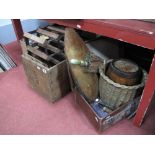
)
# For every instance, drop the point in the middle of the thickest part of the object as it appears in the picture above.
(51, 48)
(53, 28)
(23, 46)
(54, 49)
(49, 34)
(62, 42)
(37, 52)
(55, 61)
(42, 55)
(34, 38)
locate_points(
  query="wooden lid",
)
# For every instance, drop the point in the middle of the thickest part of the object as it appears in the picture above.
(125, 68)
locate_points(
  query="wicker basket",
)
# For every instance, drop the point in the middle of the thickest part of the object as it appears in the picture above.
(114, 94)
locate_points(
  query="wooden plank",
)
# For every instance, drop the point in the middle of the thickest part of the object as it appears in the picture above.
(37, 52)
(42, 55)
(51, 48)
(49, 34)
(34, 38)
(53, 28)
(62, 42)
(54, 49)
(50, 58)
(23, 46)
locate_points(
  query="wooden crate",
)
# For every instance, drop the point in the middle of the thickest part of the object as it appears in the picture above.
(45, 64)
(108, 118)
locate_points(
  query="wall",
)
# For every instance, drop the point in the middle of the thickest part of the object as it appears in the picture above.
(7, 34)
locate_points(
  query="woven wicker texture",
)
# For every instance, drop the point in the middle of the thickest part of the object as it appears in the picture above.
(114, 94)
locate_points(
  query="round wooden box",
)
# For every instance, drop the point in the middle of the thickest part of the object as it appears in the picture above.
(124, 72)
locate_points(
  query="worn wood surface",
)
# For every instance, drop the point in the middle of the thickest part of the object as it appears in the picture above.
(53, 28)
(23, 46)
(125, 73)
(48, 33)
(51, 48)
(35, 38)
(45, 65)
(37, 52)
(115, 116)
(52, 83)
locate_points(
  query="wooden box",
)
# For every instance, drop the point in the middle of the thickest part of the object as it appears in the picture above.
(100, 119)
(109, 118)
(45, 65)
